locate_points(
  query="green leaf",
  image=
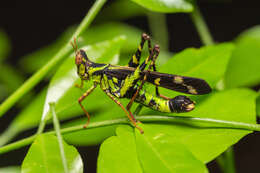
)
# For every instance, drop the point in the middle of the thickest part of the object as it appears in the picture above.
(10, 169)
(159, 152)
(243, 67)
(207, 143)
(5, 45)
(44, 156)
(30, 116)
(166, 6)
(118, 153)
(208, 62)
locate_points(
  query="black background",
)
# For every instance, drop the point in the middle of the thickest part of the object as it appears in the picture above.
(32, 24)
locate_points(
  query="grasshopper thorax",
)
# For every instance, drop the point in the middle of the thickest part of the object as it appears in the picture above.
(82, 62)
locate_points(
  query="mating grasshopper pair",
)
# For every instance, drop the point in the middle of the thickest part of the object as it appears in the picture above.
(127, 82)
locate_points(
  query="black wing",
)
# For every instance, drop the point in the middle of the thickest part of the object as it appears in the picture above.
(178, 83)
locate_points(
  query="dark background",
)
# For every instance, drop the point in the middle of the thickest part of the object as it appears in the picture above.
(32, 24)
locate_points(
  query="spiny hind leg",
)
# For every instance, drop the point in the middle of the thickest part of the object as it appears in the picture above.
(82, 98)
(152, 57)
(134, 61)
(128, 113)
(153, 65)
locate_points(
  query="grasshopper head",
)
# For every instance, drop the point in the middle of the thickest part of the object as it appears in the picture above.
(82, 62)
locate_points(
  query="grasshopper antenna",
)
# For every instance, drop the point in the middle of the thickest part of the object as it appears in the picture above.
(74, 45)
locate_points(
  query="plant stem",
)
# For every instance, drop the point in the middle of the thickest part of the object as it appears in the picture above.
(158, 26)
(59, 57)
(58, 134)
(201, 26)
(7, 135)
(189, 121)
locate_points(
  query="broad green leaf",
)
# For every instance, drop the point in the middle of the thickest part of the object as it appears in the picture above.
(44, 156)
(30, 115)
(166, 6)
(10, 169)
(243, 67)
(207, 143)
(118, 153)
(159, 152)
(5, 45)
(108, 110)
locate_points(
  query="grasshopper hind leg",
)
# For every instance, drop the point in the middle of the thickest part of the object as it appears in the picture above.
(135, 60)
(127, 112)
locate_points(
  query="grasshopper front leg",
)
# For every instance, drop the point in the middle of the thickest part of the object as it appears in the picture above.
(82, 98)
(80, 86)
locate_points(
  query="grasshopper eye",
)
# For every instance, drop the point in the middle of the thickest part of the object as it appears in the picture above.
(78, 59)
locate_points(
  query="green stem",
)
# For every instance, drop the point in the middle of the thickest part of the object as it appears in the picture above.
(158, 26)
(41, 127)
(189, 121)
(59, 57)
(8, 134)
(58, 134)
(201, 26)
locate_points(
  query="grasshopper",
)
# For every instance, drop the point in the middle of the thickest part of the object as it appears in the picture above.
(127, 82)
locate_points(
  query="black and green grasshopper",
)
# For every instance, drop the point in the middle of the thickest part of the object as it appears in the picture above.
(127, 82)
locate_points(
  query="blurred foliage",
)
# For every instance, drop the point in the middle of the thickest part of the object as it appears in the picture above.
(243, 67)
(166, 6)
(131, 9)
(12, 78)
(5, 46)
(11, 169)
